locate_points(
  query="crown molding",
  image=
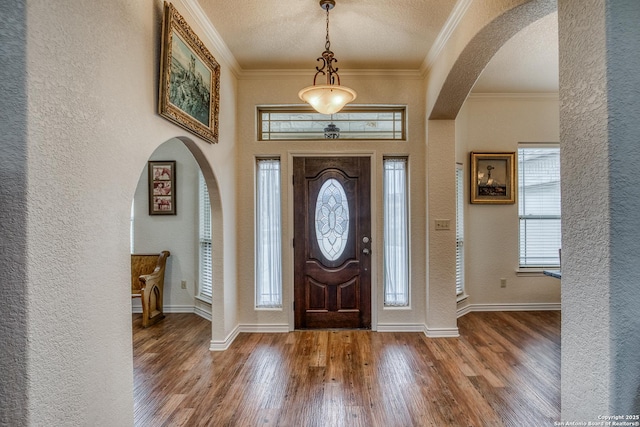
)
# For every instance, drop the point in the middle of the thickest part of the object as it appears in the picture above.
(195, 10)
(361, 74)
(449, 27)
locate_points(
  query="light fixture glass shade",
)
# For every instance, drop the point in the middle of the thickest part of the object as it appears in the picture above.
(327, 99)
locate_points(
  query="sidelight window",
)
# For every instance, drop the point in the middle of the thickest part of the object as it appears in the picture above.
(268, 235)
(396, 233)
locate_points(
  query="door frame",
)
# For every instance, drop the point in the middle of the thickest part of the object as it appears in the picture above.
(290, 231)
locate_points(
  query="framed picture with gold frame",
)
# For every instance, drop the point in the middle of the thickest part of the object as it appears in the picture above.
(493, 178)
(162, 187)
(189, 78)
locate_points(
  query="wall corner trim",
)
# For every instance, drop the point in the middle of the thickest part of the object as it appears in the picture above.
(226, 343)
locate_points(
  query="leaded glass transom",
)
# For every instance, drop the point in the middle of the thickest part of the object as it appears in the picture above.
(332, 219)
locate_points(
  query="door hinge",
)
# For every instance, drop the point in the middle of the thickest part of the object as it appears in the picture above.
(293, 242)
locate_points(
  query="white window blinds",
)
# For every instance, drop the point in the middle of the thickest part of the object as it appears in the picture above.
(459, 230)
(268, 235)
(206, 270)
(539, 205)
(396, 229)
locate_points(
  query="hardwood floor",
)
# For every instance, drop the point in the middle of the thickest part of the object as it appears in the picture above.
(504, 370)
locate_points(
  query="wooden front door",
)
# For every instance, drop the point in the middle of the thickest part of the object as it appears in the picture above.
(332, 242)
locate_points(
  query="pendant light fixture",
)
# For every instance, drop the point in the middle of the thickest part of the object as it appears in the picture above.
(331, 97)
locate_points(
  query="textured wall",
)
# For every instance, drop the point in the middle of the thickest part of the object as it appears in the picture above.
(13, 217)
(586, 211)
(623, 83)
(441, 244)
(485, 27)
(79, 129)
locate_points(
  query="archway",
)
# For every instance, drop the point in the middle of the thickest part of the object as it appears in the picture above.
(477, 37)
(179, 232)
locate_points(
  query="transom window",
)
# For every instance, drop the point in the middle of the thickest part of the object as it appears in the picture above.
(280, 123)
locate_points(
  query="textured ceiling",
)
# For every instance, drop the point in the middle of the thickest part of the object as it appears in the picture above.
(365, 34)
(374, 35)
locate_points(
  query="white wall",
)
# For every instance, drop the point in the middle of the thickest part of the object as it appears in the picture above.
(175, 233)
(86, 124)
(490, 124)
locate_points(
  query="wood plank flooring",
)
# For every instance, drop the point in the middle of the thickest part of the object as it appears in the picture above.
(504, 370)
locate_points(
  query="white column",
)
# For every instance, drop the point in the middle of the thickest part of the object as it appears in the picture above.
(441, 244)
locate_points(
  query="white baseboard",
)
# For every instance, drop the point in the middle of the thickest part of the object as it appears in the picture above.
(400, 327)
(441, 332)
(509, 307)
(224, 344)
(202, 313)
(265, 329)
(168, 309)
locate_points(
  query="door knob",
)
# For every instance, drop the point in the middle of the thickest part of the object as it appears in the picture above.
(366, 251)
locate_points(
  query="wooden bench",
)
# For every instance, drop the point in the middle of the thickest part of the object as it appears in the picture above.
(147, 283)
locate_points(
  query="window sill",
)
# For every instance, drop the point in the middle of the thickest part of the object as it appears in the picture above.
(533, 272)
(462, 297)
(206, 300)
(396, 307)
(267, 308)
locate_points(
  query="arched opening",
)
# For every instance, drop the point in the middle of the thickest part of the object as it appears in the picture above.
(470, 48)
(186, 288)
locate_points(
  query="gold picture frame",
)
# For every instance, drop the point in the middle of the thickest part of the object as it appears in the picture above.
(162, 187)
(493, 178)
(189, 78)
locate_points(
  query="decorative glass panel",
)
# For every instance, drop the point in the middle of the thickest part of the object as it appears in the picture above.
(372, 123)
(332, 219)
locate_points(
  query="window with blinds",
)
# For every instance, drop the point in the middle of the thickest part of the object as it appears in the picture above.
(539, 205)
(205, 268)
(396, 233)
(459, 230)
(268, 235)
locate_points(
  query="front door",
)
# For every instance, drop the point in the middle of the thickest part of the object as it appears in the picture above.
(332, 242)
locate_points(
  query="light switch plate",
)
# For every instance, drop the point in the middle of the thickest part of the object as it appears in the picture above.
(443, 224)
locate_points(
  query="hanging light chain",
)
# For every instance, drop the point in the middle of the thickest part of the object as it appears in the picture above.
(327, 44)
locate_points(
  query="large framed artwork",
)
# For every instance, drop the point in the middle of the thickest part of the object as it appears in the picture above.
(493, 178)
(189, 78)
(162, 187)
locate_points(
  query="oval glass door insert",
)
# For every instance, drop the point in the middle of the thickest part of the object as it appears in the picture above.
(332, 219)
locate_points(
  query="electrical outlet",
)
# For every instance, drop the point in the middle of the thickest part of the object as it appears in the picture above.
(503, 283)
(443, 224)
(184, 284)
